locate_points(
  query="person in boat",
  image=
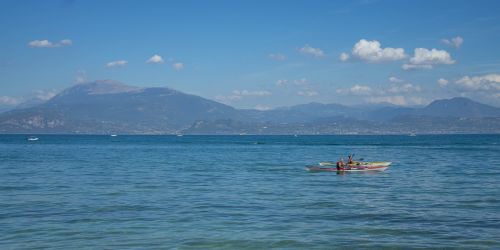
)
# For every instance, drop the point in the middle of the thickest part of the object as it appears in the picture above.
(340, 164)
(350, 161)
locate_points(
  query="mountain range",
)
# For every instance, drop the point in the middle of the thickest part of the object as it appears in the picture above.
(110, 107)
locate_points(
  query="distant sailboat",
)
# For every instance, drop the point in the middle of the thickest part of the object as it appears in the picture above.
(179, 135)
(33, 138)
(412, 134)
(113, 135)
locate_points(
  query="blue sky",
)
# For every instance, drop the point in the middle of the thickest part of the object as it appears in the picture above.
(256, 54)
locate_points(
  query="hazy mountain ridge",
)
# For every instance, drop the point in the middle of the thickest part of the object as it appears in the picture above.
(104, 107)
(458, 107)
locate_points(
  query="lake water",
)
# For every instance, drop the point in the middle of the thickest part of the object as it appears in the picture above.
(247, 192)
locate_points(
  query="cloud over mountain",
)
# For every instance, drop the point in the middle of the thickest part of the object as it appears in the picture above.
(442, 82)
(356, 90)
(10, 101)
(490, 82)
(237, 95)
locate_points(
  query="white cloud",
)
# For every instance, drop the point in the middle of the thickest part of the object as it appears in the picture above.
(301, 82)
(227, 99)
(178, 66)
(344, 56)
(397, 87)
(415, 67)
(240, 94)
(155, 59)
(251, 93)
(262, 107)
(41, 44)
(418, 100)
(404, 88)
(401, 86)
(308, 93)
(395, 79)
(442, 82)
(42, 95)
(490, 82)
(119, 63)
(371, 51)
(308, 50)
(396, 100)
(281, 82)
(356, 90)
(10, 101)
(423, 56)
(45, 95)
(66, 42)
(454, 42)
(80, 77)
(277, 57)
(48, 44)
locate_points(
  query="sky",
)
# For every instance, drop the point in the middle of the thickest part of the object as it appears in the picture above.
(256, 54)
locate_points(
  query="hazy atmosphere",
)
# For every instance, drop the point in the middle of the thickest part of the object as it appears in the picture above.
(256, 54)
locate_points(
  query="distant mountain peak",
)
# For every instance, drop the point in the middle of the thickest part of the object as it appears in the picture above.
(456, 100)
(162, 90)
(100, 87)
(460, 98)
(459, 107)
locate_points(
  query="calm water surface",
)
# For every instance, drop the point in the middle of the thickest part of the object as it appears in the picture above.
(247, 192)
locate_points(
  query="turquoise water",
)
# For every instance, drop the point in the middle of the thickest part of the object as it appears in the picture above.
(247, 192)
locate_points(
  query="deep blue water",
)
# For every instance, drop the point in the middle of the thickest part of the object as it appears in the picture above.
(247, 192)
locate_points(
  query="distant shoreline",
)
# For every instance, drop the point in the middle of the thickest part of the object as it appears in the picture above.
(174, 135)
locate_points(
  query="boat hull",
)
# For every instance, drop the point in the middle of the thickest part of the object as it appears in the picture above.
(346, 169)
(362, 164)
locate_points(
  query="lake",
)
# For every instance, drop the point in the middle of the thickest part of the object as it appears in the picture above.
(248, 192)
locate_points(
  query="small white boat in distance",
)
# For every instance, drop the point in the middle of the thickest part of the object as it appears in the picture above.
(179, 135)
(32, 138)
(113, 135)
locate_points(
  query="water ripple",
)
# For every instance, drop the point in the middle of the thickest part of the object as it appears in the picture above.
(228, 192)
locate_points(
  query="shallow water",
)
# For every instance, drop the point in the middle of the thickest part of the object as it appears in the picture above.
(247, 192)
